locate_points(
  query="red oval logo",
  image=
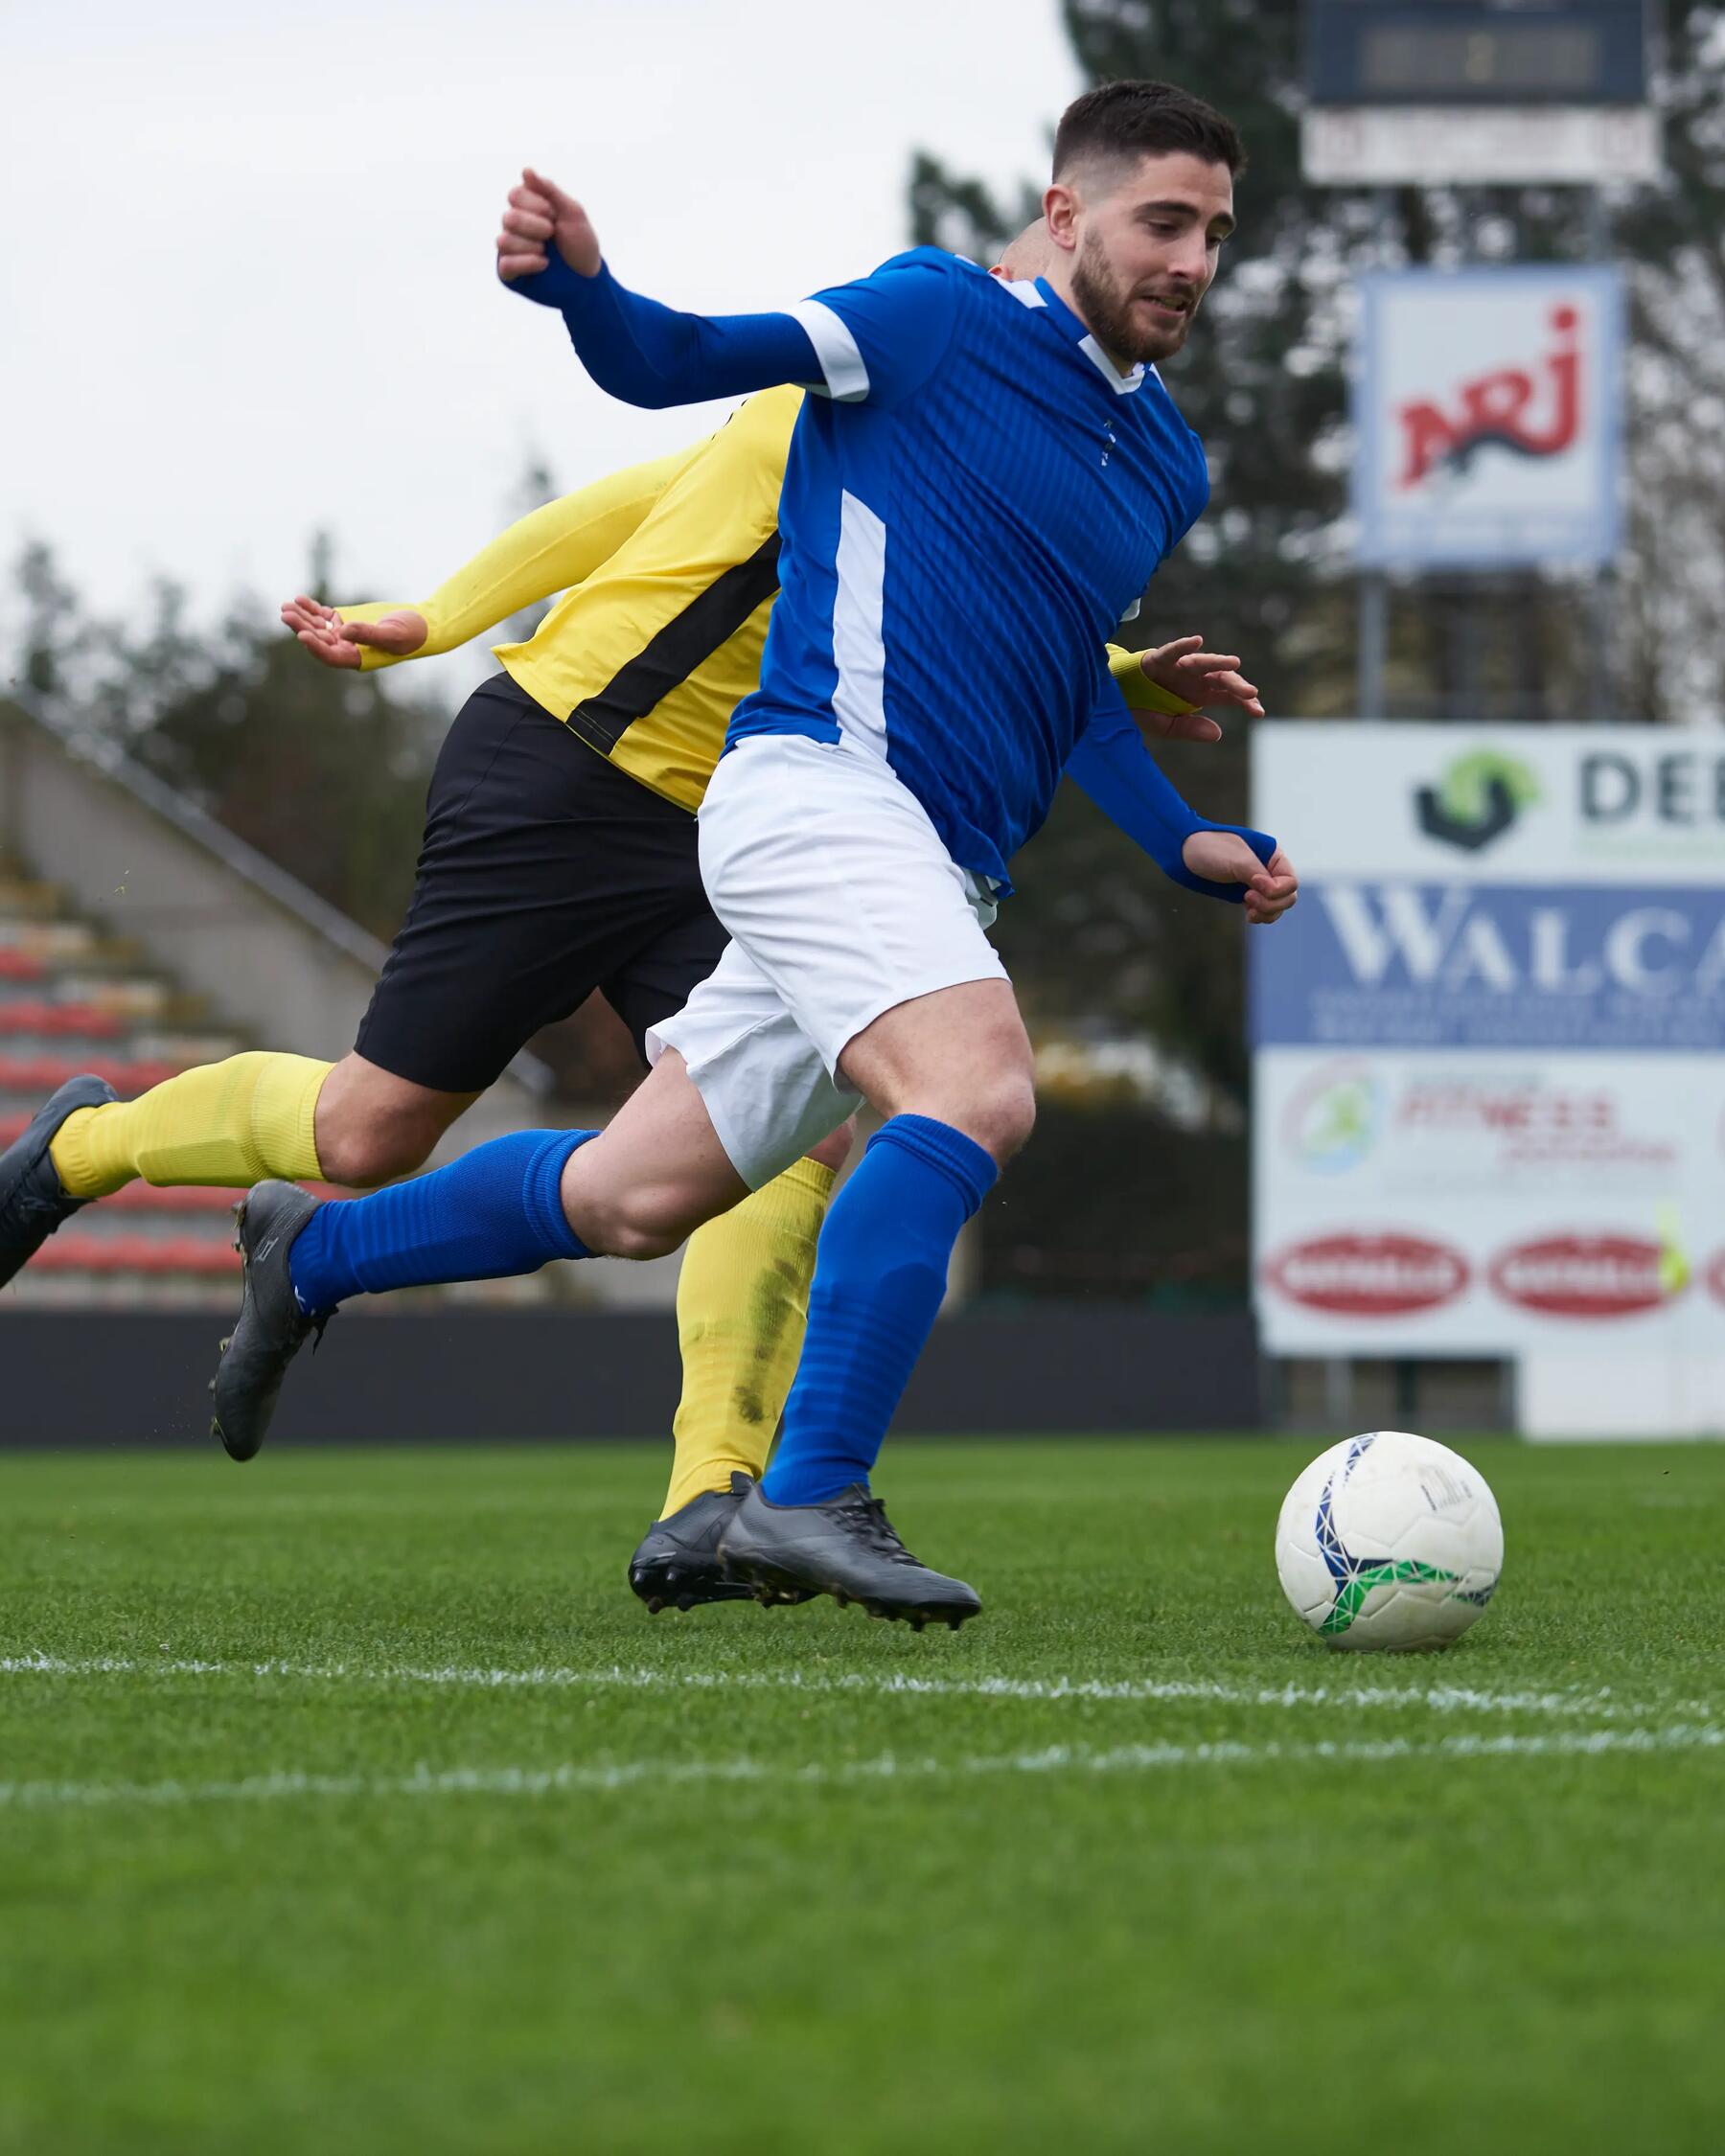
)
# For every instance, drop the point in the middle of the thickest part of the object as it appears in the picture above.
(1584, 1275)
(1715, 1277)
(1369, 1276)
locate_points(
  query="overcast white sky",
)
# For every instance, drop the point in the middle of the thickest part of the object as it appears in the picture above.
(248, 282)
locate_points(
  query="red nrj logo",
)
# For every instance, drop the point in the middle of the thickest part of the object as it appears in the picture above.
(1582, 1275)
(1369, 1276)
(1499, 407)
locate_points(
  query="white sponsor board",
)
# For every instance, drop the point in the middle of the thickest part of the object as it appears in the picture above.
(1490, 1103)
(1473, 146)
(1642, 805)
(1485, 412)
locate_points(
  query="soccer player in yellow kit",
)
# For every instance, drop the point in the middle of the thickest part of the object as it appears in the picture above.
(550, 869)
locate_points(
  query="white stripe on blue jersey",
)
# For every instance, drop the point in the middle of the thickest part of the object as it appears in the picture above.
(845, 377)
(859, 624)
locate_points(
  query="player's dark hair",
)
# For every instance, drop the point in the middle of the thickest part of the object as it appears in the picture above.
(1120, 119)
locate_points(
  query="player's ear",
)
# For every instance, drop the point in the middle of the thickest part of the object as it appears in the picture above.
(1060, 214)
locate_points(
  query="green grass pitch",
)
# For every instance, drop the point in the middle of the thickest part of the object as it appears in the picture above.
(350, 1803)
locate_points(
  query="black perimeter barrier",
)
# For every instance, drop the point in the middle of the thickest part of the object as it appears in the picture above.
(135, 1379)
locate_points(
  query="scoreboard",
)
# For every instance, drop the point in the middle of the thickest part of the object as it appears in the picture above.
(1473, 53)
(1472, 92)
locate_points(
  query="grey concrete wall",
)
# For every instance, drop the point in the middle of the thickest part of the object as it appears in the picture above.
(463, 1375)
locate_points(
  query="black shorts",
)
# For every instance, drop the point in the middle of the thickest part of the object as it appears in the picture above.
(546, 873)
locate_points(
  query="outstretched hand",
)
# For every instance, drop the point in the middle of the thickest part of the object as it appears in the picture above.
(1222, 856)
(336, 642)
(541, 216)
(1184, 668)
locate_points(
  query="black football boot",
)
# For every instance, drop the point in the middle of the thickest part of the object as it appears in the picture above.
(32, 1204)
(677, 1565)
(844, 1547)
(272, 1327)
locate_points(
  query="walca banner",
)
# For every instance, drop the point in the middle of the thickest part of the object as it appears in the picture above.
(1489, 1097)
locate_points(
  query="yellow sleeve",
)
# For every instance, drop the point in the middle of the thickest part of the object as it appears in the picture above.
(554, 547)
(1141, 694)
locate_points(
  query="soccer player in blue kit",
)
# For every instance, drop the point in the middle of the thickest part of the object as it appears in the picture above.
(988, 466)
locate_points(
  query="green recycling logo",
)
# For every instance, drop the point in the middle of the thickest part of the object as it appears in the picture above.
(1477, 800)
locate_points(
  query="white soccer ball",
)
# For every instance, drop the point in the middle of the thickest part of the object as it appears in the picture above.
(1390, 1541)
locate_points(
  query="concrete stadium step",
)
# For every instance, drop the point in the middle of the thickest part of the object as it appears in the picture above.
(50, 939)
(25, 898)
(185, 1200)
(41, 1287)
(182, 1199)
(110, 1221)
(60, 944)
(125, 996)
(200, 1256)
(102, 1048)
(191, 1200)
(38, 1018)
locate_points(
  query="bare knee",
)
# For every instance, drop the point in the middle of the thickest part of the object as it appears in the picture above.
(960, 1056)
(998, 1112)
(373, 1126)
(643, 1186)
(622, 1207)
(649, 1220)
(377, 1151)
(648, 1224)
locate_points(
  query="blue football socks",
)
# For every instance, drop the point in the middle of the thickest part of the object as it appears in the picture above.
(880, 1275)
(497, 1210)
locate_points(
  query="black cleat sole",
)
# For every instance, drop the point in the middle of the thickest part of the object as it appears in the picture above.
(671, 1589)
(769, 1588)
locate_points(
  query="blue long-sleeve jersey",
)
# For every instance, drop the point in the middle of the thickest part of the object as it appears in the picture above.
(976, 475)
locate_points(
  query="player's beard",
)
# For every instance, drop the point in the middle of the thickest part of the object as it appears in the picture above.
(1105, 303)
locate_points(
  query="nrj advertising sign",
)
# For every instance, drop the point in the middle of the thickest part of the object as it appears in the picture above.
(1486, 411)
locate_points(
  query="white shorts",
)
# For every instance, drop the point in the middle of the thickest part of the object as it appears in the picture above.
(841, 901)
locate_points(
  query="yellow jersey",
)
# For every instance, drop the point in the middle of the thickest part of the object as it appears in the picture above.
(668, 571)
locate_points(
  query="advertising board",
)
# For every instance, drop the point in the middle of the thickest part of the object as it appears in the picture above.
(1489, 1097)
(1486, 415)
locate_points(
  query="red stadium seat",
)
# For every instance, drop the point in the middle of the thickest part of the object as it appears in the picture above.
(190, 1198)
(91, 1019)
(146, 1254)
(40, 1074)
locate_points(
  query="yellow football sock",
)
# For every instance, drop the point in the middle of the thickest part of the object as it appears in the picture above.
(229, 1124)
(742, 1304)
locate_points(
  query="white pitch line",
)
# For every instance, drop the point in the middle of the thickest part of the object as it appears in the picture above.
(1446, 1699)
(1057, 1759)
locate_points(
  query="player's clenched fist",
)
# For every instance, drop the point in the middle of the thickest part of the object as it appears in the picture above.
(1271, 887)
(541, 216)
